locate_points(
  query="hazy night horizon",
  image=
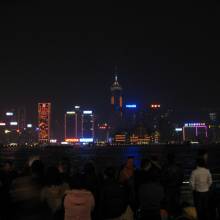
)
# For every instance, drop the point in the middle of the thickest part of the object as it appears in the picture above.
(163, 55)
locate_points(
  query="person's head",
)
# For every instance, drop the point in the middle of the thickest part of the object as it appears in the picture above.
(77, 181)
(64, 165)
(145, 164)
(53, 176)
(110, 173)
(8, 166)
(130, 162)
(171, 158)
(37, 168)
(89, 168)
(201, 162)
(203, 153)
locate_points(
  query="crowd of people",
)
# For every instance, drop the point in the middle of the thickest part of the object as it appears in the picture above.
(63, 192)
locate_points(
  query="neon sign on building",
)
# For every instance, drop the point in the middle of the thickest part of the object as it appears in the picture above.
(44, 112)
(197, 127)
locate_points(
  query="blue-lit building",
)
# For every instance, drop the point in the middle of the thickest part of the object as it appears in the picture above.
(130, 116)
(88, 124)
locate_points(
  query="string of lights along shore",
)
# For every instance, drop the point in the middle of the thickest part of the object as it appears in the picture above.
(127, 123)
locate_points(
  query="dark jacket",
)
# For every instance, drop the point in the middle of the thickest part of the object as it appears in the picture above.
(150, 196)
(113, 200)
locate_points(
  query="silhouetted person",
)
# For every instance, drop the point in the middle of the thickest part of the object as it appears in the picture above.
(143, 173)
(203, 154)
(78, 202)
(26, 191)
(201, 180)
(126, 178)
(113, 197)
(172, 177)
(53, 192)
(92, 183)
(155, 162)
(7, 175)
(64, 167)
(91, 177)
(127, 171)
(150, 196)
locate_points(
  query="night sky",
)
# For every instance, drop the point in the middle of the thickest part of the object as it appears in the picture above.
(66, 54)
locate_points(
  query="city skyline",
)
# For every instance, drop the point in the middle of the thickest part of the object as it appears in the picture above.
(144, 122)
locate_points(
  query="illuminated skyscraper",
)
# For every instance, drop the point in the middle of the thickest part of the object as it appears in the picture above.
(70, 126)
(116, 105)
(79, 121)
(88, 125)
(44, 119)
(116, 96)
(130, 116)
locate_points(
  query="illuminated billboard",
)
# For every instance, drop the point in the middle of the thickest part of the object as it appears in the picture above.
(87, 112)
(9, 113)
(194, 125)
(86, 140)
(13, 123)
(29, 125)
(131, 106)
(44, 111)
(195, 132)
(70, 113)
(72, 140)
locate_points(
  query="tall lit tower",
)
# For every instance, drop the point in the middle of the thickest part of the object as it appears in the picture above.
(44, 118)
(88, 124)
(70, 122)
(116, 96)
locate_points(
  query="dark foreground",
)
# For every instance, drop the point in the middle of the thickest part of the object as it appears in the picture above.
(60, 166)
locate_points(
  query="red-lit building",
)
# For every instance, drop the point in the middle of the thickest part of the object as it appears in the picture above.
(44, 120)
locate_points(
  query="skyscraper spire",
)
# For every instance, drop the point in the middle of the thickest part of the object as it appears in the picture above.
(116, 78)
(116, 94)
(116, 86)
